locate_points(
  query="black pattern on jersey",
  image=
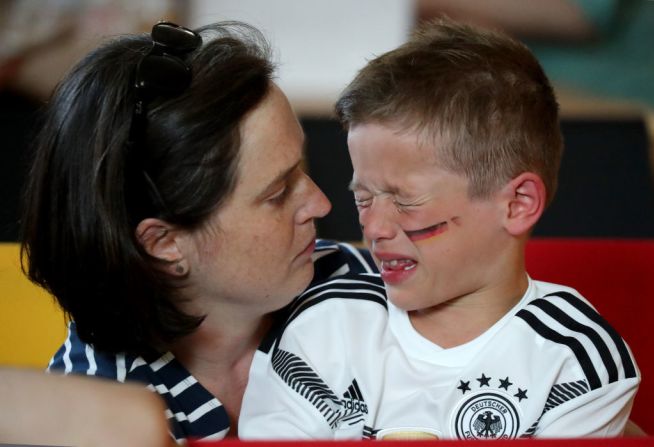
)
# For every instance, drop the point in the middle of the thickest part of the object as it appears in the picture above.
(625, 357)
(333, 259)
(300, 377)
(559, 394)
(369, 432)
(362, 286)
(581, 328)
(353, 391)
(359, 287)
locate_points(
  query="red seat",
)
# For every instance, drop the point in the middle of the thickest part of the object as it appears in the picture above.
(617, 276)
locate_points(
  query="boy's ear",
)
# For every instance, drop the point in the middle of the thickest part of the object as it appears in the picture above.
(525, 198)
(159, 239)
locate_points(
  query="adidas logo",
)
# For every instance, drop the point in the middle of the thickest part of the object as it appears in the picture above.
(352, 401)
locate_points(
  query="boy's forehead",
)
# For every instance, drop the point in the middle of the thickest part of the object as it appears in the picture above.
(374, 142)
(396, 178)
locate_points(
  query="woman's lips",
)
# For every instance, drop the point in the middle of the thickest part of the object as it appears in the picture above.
(309, 249)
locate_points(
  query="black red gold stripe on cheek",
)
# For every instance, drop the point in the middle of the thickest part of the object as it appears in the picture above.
(428, 232)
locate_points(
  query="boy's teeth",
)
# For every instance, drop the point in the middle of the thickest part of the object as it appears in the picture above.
(399, 264)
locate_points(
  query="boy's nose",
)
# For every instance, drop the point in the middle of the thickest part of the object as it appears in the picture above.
(378, 221)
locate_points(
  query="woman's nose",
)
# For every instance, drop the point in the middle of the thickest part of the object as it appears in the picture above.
(316, 204)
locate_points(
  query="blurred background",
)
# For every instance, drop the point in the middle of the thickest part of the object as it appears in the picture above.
(599, 53)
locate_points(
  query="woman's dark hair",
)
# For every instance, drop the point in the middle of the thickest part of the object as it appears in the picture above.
(86, 191)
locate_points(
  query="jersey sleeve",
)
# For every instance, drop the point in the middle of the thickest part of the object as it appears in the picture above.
(601, 413)
(76, 357)
(602, 375)
(272, 409)
(301, 385)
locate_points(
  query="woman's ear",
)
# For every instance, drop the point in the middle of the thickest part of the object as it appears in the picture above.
(526, 196)
(159, 239)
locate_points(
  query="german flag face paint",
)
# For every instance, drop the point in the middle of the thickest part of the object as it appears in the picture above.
(427, 233)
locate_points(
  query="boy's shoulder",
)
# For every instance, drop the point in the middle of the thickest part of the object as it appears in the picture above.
(351, 286)
(351, 296)
(559, 301)
(562, 316)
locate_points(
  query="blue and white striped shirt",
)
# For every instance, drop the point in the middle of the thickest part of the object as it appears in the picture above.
(193, 412)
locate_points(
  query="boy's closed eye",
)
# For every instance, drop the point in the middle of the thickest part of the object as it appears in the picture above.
(362, 201)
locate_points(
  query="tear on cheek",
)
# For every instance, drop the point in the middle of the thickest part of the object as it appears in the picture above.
(428, 232)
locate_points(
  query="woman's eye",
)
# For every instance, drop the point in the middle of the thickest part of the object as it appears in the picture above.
(279, 197)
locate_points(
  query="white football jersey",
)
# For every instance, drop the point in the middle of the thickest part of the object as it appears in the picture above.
(347, 363)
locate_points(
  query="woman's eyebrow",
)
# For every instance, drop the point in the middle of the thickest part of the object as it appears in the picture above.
(278, 178)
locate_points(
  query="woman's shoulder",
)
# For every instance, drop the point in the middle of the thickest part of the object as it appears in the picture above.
(332, 259)
(77, 357)
(193, 411)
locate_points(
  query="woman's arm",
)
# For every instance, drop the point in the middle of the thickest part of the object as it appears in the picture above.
(41, 408)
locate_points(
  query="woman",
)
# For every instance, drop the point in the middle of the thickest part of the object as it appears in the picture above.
(172, 163)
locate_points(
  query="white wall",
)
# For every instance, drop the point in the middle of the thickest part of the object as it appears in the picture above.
(319, 44)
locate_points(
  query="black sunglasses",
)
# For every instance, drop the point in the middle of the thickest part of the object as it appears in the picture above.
(160, 73)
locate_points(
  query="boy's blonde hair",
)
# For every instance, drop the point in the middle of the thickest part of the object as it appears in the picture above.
(483, 93)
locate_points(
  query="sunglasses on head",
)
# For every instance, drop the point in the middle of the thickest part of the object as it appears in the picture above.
(160, 73)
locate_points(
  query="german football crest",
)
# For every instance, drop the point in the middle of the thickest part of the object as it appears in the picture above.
(487, 414)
